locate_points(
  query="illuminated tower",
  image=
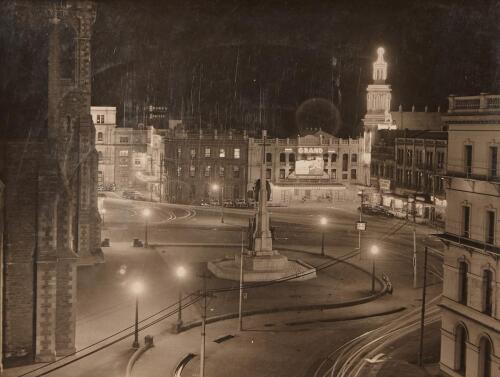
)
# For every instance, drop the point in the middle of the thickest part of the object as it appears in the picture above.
(378, 106)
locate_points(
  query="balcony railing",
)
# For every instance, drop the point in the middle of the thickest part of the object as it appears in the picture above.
(481, 103)
(465, 241)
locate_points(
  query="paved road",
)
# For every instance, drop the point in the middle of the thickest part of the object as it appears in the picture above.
(106, 304)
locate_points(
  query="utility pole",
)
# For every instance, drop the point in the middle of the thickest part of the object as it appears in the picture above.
(240, 306)
(161, 176)
(360, 220)
(203, 326)
(422, 317)
(414, 258)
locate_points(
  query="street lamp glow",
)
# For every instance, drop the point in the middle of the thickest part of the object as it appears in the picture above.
(146, 212)
(215, 187)
(137, 287)
(374, 250)
(180, 272)
(323, 221)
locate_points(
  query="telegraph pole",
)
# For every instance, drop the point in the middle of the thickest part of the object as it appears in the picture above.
(422, 316)
(240, 306)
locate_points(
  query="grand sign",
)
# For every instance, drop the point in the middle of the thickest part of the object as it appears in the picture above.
(310, 150)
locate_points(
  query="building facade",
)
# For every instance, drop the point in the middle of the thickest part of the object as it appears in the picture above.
(51, 223)
(470, 328)
(104, 119)
(311, 167)
(202, 166)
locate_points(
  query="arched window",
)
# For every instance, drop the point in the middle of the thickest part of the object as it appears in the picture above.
(488, 292)
(485, 352)
(460, 349)
(463, 270)
(99, 136)
(345, 161)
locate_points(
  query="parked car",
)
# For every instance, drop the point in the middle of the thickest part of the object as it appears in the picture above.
(214, 202)
(132, 194)
(228, 203)
(376, 211)
(240, 203)
(251, 203)
(204, 203)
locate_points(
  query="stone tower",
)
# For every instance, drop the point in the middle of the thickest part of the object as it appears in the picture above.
(51, 218)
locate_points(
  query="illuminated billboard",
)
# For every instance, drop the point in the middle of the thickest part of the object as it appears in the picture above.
(313, 167)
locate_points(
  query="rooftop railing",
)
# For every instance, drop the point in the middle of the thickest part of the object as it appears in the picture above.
(482, 103)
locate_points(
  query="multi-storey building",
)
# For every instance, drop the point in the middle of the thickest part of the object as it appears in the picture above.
(202, 165)
(128, 157)
(311, 167)
(470, 328)
(104, 119)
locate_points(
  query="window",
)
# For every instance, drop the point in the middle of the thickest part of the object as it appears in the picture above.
(466, 221)
(408, 178)
(440, 160)
(429, 159)
(99, 154)
(334, 174)
(353, 173)
(468, 160)
(345, 161)
(488, 292)
(124, 153)
(100, 119)
(282, 173)
(123, 139)
(179, 171)
(344, 176)
(208, 170)
(460, 349)
(485, 356)
(418, 158)
(192, 171)
(282, 157)
(100, 136)
(137, 162)
(268, 173)
(207, 152)
(237, 153)
(493, 162)
(354, 157)
(490, 227)
(179, 152)
(192, 153)
(236, 171)
(269, 157)
(463, 271)
(409, 157)
(291, 158)
(400, 156)
(325, 158)
(222, 153)
(221, 171)
(334, 157)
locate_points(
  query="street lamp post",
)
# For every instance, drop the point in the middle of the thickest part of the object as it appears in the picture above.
(137, 288)
(216, 187)
(103, 212)
(180, 272)
(146, 213)
(374, 251)
(323, 223)
(361, 194)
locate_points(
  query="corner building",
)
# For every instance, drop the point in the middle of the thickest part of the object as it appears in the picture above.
(312, 167)
(470, 328)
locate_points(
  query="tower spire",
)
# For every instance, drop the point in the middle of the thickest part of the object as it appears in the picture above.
(380, 67)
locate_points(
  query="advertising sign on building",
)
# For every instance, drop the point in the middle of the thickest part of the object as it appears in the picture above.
(312, 167)
(385, 184)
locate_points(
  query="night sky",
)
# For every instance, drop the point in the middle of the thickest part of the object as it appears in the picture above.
(284, 66)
